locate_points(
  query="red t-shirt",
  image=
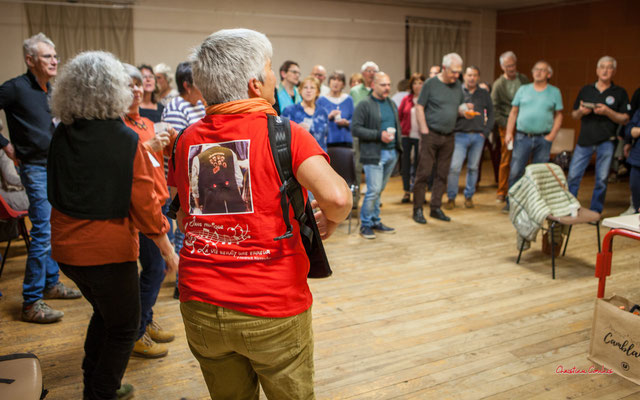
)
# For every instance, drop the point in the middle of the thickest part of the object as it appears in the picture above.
(229, 187)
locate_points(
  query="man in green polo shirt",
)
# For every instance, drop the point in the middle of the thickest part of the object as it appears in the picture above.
(534, 121)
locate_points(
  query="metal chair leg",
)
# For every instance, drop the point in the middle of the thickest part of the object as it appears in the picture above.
(4, 256)
(520, 253)
(22, 228)
(566, 242)
(553, 252)
(598, 230)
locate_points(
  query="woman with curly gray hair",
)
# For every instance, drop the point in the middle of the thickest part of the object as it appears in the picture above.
(102, 193)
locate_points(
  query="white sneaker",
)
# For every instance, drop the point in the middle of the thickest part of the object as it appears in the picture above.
(628, 211)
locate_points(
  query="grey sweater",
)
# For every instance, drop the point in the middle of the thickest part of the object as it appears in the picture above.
(365, 125)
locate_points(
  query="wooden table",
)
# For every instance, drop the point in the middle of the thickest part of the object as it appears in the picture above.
(627, 225)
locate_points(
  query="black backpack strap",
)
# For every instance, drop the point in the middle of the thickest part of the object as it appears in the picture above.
(173, 149)
(290, 191)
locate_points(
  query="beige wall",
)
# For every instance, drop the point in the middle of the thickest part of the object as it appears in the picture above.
(339, 35)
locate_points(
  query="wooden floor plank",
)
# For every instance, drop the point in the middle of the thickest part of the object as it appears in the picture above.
(440, 311)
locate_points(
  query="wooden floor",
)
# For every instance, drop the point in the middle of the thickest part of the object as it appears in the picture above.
(440, 311)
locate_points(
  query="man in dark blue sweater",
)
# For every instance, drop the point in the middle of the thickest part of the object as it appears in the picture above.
(469, 138)
(25, 101)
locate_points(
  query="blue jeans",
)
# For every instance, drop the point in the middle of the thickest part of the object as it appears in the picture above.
(536, 147)
(465, 143)
(151, 277)
(376, 176)
(41, 271)
(579, 162)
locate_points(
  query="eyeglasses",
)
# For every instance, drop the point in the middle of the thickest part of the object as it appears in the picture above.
(148, 77)
(539, 70)
(294, 72)
(50, 57)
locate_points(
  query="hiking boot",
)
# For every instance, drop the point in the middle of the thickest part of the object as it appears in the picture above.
(367, 232)
(147, 348)
(382, 228)
(468, 203)
(438, 214)
(60, 291)
(450, 205)
(125, 391)
(39, 312)
(418, 216)
(158, 334)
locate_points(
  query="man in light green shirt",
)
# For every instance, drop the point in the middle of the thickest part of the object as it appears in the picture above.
(534, 121)
(362, 91)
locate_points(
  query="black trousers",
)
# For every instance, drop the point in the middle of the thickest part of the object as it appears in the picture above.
(113, 291)
(408, 168)
(439, 148)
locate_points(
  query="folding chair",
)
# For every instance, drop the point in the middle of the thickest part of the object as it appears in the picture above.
(342, 161)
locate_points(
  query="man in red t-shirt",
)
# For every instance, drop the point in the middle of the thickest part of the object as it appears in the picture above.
(244, 297)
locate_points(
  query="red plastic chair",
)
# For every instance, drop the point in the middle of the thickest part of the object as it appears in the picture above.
(8, 213)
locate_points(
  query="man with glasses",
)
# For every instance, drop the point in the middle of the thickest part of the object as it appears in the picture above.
(440, 103)
(534, 121)
(289, 80)
(600, 107)
(25, 101)
(504, 88)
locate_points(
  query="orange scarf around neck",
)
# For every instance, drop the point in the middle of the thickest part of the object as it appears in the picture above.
(245, 106)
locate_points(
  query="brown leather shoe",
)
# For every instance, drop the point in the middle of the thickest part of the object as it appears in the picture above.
(60, 291)
(158, 334)
(450, 205)
(147, 348)
(468, 203)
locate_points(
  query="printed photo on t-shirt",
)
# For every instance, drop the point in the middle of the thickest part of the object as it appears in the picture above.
(219, 179)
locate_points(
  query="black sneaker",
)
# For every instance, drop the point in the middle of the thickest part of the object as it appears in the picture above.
(382, 228)
(367, 232)
(438, 214)
(418, 216)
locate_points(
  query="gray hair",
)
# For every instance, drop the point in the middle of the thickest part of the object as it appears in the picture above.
(133, 72)
(549, 69)
(165, 70)
(450, 58)
(30, 46)
(507, 54)
(605, 59)
(369, 64)
(93, 85)
(226, 61)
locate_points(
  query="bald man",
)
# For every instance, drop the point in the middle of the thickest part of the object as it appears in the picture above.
(375, 123)
(321, 75)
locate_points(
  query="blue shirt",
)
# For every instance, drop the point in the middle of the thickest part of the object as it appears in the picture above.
(536, 109)
(387, 120)
(337, 133)
(318, 122)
